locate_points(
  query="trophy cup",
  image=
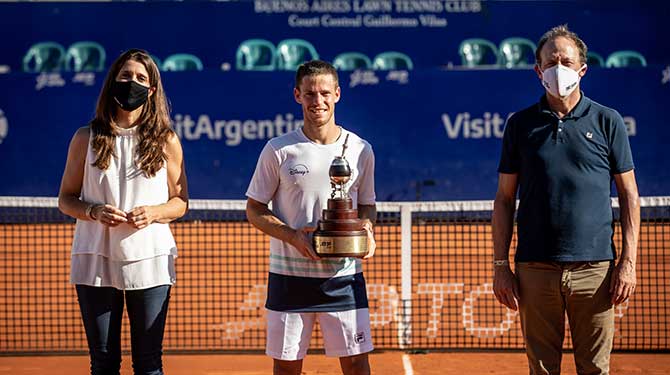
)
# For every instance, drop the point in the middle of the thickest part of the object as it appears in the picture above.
(340, 233)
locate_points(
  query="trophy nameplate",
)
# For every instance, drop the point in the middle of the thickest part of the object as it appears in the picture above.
(340, 232)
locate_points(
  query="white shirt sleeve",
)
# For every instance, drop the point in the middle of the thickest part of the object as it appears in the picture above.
(366, 189)
(265, 180)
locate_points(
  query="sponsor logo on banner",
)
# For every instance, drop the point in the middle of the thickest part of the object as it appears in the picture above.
(48, 80)
(4, 126)
(369, 77)
(233, 131)
(465, 125)
(85, 78)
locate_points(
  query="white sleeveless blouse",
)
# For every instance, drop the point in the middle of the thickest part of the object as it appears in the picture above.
(122, 257)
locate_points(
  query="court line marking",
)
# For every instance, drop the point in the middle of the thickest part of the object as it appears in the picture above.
(407, 365)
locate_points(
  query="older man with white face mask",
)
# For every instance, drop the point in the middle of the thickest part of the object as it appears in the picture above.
(561, 154)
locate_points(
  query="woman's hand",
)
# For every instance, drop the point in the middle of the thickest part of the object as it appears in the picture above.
(108, 215)
(141, 217)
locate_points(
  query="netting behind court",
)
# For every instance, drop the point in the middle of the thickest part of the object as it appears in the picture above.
(429, 284)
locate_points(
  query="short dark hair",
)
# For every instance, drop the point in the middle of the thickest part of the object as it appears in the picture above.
(561, 31)
(313, 68)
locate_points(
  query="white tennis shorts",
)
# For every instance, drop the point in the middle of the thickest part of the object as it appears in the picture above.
(345, 333)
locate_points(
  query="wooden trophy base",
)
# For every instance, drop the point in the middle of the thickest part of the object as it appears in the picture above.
(340, 233)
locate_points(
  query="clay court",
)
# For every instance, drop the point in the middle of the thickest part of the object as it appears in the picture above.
(382, 363)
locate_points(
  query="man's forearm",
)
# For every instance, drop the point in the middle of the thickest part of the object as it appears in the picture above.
(502, 227)
(262, 218)
(368, 211)
(629, 204)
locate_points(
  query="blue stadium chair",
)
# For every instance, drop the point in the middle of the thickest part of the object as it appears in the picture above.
(625, 59)
(478, 52)
(351, 61)
(255, 54)
(293, 52)
(594, 59)
(180, 62)
(85, 56)
(43, 57)
(392, 60)
(516, 53)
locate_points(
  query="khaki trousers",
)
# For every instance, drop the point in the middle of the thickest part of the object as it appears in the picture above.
(549, 291)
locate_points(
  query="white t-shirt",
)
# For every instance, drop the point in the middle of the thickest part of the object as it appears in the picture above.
(292, 173)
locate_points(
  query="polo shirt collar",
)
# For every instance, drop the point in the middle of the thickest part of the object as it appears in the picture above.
(580, 110)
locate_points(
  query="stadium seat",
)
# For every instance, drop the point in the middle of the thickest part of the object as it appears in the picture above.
(392, 60)
(516, 53)
(255, 54)
(85, 57)
(43, 57)
(625, 59)
(293, 52)
(180, 62)
(352, 61)
(478, 52)
(594, 59)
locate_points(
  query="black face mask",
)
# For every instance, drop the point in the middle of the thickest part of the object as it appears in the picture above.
(130, 95)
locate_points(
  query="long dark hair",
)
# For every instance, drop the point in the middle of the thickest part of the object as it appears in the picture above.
(153, 123)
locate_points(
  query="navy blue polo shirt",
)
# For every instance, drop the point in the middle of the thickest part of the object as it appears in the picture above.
(565, 169)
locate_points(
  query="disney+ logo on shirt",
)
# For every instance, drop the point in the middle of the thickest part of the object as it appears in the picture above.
(300, 169)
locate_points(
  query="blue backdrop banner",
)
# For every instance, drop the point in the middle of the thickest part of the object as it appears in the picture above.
(436, 133)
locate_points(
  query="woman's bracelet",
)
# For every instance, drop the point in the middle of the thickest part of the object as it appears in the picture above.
(89, 211)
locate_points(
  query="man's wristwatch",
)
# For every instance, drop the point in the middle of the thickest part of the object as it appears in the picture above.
(500, 262)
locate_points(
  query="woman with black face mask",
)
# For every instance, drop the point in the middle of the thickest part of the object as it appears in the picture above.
(124, 181)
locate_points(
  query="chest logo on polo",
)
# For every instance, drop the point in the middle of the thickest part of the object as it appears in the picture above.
(298, 169)
(589, 135)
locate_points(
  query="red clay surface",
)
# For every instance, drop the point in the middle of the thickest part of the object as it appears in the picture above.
(381, 363)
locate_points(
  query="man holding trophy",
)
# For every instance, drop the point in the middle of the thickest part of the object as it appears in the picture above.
(320, 174)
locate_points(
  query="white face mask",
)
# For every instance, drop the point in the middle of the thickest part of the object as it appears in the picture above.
(560, 81)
